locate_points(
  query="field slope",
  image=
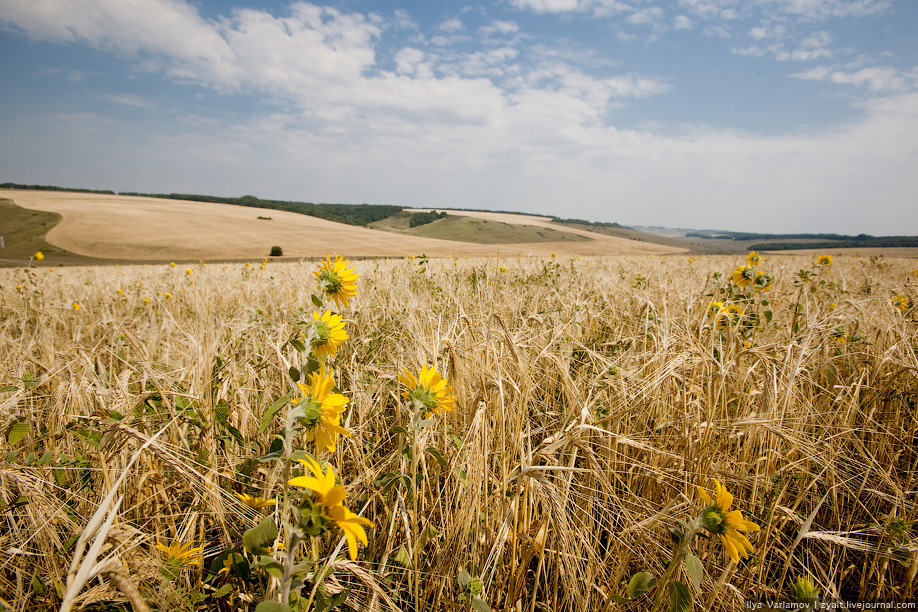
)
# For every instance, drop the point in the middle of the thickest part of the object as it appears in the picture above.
(151, 229)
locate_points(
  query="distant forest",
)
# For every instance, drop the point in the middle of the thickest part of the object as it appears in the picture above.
(809, 241)
(352, 214)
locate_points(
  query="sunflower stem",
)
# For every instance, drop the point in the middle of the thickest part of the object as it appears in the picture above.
(685, 545)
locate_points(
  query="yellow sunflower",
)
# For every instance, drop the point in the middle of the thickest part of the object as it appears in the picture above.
(754, 259)
(327, 334)
(255, 502)
(428, 393)
(39, 256)
(824, 260)
(336, 280)
(322, 409)
(900, 303)
(714, 307)
(762, 281)
(720, 520)
(727, 315)
(329, 499)
(743, 276)
(182, 553)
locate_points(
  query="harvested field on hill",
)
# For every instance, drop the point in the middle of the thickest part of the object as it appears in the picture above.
(150, 229)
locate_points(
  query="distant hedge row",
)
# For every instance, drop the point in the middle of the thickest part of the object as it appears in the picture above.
(423, 218)
(883, 241)
(54, 188)
(352, 214)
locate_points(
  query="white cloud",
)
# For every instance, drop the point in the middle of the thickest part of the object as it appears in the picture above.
(681, 22)
(451, 26)
(876, 79)
(499, 27)
(129, 100)
(598, 8)
(648, 16)
(548, 6)
(823, 9)
(404, 21)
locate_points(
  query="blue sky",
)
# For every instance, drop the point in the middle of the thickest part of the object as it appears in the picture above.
(750, 115)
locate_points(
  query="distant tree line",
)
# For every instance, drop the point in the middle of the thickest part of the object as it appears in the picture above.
(584, 222)
(352, 214)
(782, 242)
(882, 241)
(423, 218)
(54, 188)
(820, 237)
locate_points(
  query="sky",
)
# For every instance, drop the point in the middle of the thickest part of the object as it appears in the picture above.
(747, 115)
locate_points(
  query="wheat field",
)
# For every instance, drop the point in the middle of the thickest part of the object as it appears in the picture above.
(593, 397)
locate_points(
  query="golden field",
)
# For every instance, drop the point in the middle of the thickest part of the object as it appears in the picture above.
(152, 229)
(594, 395)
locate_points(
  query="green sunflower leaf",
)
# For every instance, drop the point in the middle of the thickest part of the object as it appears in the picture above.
(257, 539)
(695, 570)
(17, 432)
(272, 606)
(639, 584)
(268, 416)
(680, 599)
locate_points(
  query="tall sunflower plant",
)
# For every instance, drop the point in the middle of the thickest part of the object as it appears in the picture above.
(739, 302)
(312, 501)
(715, 519)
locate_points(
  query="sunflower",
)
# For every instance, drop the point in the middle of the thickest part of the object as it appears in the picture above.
(714, 307)
(255, 502)
(329, 506)
(824, 260)
(720, 520)
(900, 303)
(327, 334)
(762, 281)
(743, 276)
(730, 313)
(754, 259)
(39, 256)
(182, 553)
(336, 280)
(322, 409)
(428, 393)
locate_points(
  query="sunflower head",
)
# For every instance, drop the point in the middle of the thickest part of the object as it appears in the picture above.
(730, 314)
(327, 333)
(824, 260)
(743, 276)
(326, 507)
(336, 280)
(428, 393)
(718, 519)
(39, 256)
(256, 503)
(804, 591)
(754, 259)
(182, 554)
(900, 303)
(762, 281)
(320, 409)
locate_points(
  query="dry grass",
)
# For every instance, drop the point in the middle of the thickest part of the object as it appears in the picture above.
(152, 229)
(591, 403)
